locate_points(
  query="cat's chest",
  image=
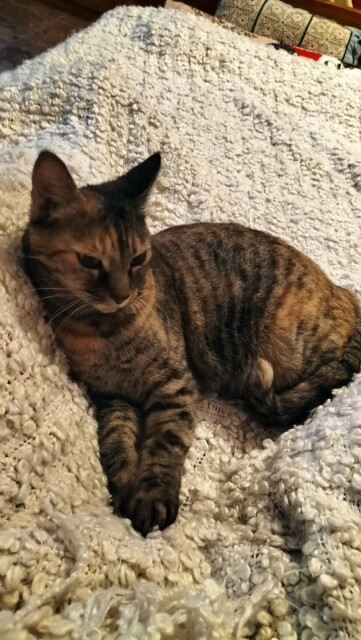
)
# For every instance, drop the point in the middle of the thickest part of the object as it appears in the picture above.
(111, 364)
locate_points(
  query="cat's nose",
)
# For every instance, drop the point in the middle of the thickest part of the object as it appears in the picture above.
(119, 286)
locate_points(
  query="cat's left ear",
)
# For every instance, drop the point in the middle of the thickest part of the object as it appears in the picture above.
(52, 186)
(139, 180)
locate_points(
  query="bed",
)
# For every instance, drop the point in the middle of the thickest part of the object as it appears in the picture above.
(268, 540)
(345, 12)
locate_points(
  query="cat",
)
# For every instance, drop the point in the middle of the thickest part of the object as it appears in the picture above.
(151, 322)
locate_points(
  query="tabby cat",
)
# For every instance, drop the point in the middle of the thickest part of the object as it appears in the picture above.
(150, 322)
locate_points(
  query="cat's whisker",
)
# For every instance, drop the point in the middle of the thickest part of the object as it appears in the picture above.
(46, 289)
(84, 307)
(153, 301)
(83, 310)
(151, 304)
(141, 305)
(54, 295)
(59, 312)
(147, 303)
(72, 315)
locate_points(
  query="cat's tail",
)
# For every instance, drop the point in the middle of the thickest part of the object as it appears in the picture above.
(294, 405)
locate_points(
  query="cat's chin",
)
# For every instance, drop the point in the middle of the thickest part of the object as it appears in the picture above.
(112, 307)
(107, 309)
(107, 312)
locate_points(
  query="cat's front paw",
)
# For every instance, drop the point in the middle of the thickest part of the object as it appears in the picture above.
(149, 508)
(121, 494)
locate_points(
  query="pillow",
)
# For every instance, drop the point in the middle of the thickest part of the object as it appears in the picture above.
(277, 20)
(181, 6)
(170, 4)
(353, 51)
(351, 58)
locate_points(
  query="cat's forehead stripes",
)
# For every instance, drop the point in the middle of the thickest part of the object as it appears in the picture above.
(123, 236)
(117, 229)
(104, 205)
(106, 243)
(137, 244)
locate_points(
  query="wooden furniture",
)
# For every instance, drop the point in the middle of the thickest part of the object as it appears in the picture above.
(91, 9)
(347, 16)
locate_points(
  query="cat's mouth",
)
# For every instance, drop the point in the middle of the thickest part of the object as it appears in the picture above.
(112, 306)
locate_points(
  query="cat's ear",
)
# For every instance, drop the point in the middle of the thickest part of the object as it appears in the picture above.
(52, 186)
(139, 180)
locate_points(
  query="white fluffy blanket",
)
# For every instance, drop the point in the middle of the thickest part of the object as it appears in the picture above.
(268, 539)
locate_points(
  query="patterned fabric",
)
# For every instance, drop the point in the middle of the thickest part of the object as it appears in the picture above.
(243, 14)
(279, 21)
(351, 59)
(320, 32)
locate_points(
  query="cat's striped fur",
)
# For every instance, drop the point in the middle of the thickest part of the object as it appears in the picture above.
(149, 323)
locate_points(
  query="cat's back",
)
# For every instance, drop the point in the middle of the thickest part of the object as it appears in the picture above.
(208, 245)
(207, 234)
(203, 253)
(214, 264)
(240, 292)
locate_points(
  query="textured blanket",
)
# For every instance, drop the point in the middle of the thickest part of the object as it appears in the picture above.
(268, 540)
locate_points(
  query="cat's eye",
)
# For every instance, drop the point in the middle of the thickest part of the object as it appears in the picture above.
(89, 262)
(138, 260)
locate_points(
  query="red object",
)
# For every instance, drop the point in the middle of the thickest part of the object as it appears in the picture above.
(307, 54)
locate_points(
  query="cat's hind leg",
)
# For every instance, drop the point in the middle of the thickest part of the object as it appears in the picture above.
(261, 377)
(293, 405)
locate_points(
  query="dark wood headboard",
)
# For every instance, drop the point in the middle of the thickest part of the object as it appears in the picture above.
(91, 9)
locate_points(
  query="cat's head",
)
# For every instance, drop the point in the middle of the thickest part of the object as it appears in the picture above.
(91, 243)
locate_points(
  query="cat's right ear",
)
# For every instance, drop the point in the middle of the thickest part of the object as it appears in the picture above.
(52, 186)
(137, 183)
